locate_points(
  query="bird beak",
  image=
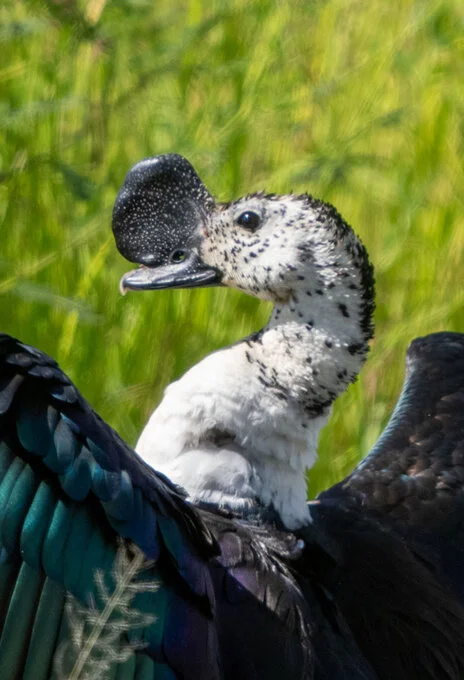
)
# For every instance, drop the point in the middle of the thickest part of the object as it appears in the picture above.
(159, 220)
(189, 272)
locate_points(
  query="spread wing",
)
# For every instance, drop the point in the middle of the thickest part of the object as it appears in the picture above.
(69, 488)
(397, 523)
(415, 471)
(413, 479)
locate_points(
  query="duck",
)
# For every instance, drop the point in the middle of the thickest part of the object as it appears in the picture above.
(240, 428)
(197, 555)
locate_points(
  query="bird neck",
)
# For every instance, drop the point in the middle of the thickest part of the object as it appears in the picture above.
(239, 429)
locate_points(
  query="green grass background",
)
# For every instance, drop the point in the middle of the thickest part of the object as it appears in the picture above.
(359, 103)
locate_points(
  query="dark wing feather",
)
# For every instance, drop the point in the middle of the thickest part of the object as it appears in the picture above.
(415, 472)
(397, 524)
(69, 487)
(393, 595)
(285, 624)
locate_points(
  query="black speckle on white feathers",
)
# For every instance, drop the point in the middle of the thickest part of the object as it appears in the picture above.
(344, 274)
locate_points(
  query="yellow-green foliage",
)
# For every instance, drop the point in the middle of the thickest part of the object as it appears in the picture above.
(360, 103)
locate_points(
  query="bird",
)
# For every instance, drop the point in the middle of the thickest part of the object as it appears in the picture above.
(196, 555)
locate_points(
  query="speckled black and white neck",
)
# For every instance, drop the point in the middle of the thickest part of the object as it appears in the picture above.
(239, 429)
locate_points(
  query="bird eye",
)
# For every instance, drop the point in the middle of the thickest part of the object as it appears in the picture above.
(178, 256)
(249, 219)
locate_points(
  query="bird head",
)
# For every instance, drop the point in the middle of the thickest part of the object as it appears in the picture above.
(266, 245)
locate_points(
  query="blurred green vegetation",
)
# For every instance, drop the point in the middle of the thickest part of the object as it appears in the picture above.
(359, 103)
